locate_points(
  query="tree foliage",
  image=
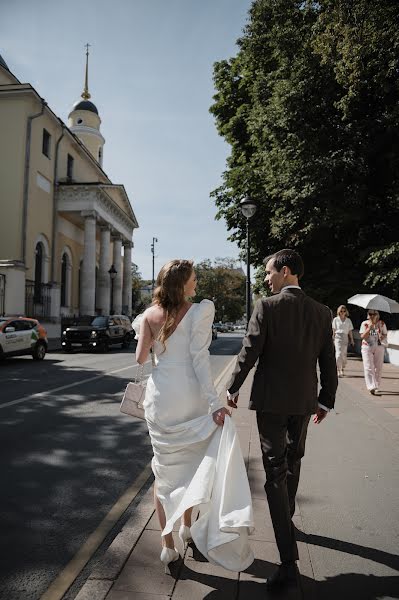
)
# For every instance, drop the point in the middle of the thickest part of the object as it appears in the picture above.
(137, 303)
(310, 108)
(222, 282)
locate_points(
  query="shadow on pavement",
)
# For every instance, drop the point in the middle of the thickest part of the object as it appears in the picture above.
(73, 456)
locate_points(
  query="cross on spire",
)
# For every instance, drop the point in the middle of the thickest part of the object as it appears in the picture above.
(85, 93)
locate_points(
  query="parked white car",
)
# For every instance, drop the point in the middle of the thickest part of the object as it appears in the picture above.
(22, 335)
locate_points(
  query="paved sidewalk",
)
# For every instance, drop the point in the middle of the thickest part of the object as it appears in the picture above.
(131, 568)
(331, 564)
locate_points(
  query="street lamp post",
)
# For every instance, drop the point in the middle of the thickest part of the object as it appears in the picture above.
(154, 239)
(112, 273)
(248, 209)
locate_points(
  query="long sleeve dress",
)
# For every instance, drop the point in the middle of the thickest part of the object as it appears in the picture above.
(196, 462)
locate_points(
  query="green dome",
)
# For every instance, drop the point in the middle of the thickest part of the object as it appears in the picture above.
(85, 105)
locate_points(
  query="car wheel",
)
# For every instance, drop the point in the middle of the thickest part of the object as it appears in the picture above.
(67, 348)
(126, 341)
(39, 351)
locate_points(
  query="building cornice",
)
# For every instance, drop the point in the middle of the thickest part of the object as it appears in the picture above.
(87, 130)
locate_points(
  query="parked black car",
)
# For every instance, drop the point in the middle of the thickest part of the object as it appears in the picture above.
(97, 333)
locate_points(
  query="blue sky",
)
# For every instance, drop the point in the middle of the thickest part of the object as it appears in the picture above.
(150, 76)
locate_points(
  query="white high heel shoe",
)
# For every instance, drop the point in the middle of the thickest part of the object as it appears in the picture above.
(168, 555)
(185, 535)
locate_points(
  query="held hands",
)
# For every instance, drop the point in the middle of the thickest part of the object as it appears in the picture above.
(320, 415)
(232, 400)
(219, 415)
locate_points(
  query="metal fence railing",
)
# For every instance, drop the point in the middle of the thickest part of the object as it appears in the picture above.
(2, 294)
(37, 300)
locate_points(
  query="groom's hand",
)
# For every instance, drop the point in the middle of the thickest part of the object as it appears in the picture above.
(320, 415)
(232, 399)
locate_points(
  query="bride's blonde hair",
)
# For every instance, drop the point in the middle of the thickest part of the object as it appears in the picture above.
(169, 293)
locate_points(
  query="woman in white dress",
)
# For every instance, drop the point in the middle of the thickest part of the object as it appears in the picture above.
(197, 456)
(343, 334)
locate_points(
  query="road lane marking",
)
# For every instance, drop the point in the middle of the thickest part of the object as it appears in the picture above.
(68, 575)
(65, 387)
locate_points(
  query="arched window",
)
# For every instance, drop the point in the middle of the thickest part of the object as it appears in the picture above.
(64, 267)
(39, 256)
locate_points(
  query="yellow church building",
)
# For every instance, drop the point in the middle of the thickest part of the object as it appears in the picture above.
(63, 223)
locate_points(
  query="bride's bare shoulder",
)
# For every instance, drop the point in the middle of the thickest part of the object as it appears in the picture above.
(155, 314)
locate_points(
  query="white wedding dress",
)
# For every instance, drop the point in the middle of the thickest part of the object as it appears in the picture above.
(196, 462)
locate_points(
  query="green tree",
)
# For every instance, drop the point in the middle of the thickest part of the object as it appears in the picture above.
(310, 108)
(136, 284)
(224, 283)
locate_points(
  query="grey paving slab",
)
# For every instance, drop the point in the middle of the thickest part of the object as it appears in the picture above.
(257, 482)
(199, 579)
(144, 572)
(263, 527)
(117, 554)
(254, 448)
(94, 589)
(256, 463)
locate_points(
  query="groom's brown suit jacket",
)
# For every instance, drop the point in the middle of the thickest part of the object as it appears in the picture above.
(288, 334)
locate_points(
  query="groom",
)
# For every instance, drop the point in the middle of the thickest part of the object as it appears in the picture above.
(288, 334)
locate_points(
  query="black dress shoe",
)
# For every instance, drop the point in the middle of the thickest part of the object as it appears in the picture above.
(285, 576)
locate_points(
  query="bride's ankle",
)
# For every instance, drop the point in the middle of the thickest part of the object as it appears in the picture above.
(167, 542)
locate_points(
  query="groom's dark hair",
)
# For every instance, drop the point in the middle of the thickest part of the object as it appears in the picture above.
(287, 258)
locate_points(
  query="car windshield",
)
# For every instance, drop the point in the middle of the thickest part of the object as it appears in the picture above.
(100, 322)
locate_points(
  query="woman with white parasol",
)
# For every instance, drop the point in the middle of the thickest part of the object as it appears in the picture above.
(374, 335)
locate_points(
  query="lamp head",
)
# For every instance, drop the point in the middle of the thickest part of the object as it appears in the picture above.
(112, 272)
(248, 207)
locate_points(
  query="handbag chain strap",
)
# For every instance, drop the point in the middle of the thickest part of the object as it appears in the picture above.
(140, 369)
(140, 374)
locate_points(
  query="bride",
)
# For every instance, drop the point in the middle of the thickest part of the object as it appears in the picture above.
(197, 457)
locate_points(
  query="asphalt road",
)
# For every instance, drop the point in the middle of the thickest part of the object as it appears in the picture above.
(67, 455)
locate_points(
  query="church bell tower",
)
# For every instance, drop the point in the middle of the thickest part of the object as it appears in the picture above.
(84, 120)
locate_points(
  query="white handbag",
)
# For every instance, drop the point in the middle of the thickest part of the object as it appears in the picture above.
(133, 397)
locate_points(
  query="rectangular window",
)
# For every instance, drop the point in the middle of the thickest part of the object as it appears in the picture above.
(69, 167)
(46, 143)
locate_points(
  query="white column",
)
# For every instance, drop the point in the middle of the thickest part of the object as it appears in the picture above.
(127, 279)
(55, 302)
(88, 278)
(117, 256)
(103, 283)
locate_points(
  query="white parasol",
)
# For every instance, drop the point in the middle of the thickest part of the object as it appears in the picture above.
(375, 301)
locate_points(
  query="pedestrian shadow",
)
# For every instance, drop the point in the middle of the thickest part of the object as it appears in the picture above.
(346, 586)
(378, 556)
